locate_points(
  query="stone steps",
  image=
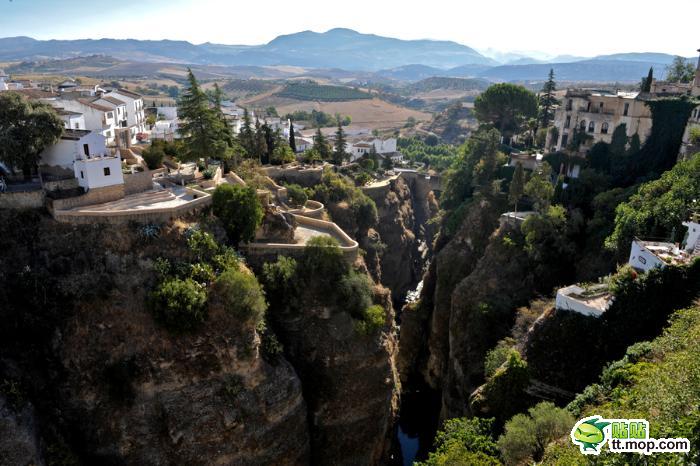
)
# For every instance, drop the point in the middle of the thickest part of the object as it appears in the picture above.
(135, 200)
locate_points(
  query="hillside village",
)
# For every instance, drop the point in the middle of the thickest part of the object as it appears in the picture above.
(272, 291)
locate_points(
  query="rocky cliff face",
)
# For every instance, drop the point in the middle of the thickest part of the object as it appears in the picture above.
(474, 284)
(108, 385)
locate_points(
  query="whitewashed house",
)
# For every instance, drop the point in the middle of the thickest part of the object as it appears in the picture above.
(84, 153)
(71, 120)
(647, 255)
(3, 81)
(592, 301)
(135, 116)
(98, 117)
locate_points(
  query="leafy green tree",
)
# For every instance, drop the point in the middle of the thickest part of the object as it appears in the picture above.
(646, 82)
(323, 261)
(506, 106)
(527, 435)
(26, 129)
(204, 129)
(321, 145)
(339, 152)
(259, 142)
(680, 71)
(659, 207)
(292, 138)
(547, 100)
(517, 186)
(240, 211)
(464, 442)
(539, 187)
(474, 167)
(180, 305)
(281, 154)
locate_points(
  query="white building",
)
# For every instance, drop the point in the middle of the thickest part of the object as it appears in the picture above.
(382, 147)
(98, 117)
(84, 153)
(593, 301)
(3, 81)
(71, 120)
(135, 116)
(647, 255)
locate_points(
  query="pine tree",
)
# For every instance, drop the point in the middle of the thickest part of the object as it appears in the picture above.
(646, 82)
(339, 154)
(547, 100)
(259, 142)
(201, 127)
(517, 186)
(321, 145)
(246, 137)
(292, 139)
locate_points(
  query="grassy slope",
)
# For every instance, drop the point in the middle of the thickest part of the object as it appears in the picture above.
(662, 386)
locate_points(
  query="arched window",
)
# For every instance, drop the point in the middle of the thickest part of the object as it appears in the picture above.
(582, 125)
(591, 126)
(604, 128)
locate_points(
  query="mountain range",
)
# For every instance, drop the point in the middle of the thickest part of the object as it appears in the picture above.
(345, 49)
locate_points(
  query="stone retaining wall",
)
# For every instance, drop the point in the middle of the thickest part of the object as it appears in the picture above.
(144, 216)
(306, 177)
(140, 181)
(93, 196)
(22, 200)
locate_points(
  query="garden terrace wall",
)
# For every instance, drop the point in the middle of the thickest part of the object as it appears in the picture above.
(143, 216)
(259, 253)
(139, 182)
(313, 209)
(306, 177)
(22, 200)
(93, 196)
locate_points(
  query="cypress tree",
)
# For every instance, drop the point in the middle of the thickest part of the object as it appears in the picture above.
(339, 153)
(246, 136)
(646, 82)
(517, 186)
(292, 140)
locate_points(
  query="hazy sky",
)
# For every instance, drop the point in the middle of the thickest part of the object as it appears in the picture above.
(584, 27)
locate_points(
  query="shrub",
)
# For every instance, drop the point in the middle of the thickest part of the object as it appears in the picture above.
(240, 211)
(694, 136)
(496, 357)
(202, 245)
(153, 156)
(464, 441)
(240, 294)
(362, 178)
(180, 305)
(279, 279)
(355, 293)
(365, 211)
(269, 344)
(373, 319)
(323, 260)
(297, 194)
(526, 436)
(208, 173)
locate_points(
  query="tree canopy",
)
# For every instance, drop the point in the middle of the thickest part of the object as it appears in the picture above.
(547, 100)
(506, 106)
(240, 211)
(680, 71)
(26, 128)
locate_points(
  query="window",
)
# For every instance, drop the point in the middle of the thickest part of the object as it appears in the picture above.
(627, 109)
(588, 106)
(604, 128)
(77, 125)
(82, 175)
(110, 115)
(582, 125)
(591, 127)
(86, 150)
(567, 123)
(569, 104)
(106, 171)
(564, 140)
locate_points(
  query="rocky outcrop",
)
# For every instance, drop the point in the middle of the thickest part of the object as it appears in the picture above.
(277, 226)
(19, 439)
(117, 386)
(349, 380)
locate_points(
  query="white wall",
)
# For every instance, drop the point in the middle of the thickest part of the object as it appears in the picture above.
(693, 235)
(67, 151)
(92, 173)
(642, 259)
(571, 304)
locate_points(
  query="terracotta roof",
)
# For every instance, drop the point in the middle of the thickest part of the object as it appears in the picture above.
(113, 100)
(74, 134)
(128, 93)
(36, 93)
(90, 103)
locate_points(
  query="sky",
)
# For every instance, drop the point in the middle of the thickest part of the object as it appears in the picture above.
(582, 28)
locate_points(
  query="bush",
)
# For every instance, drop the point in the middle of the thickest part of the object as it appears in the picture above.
(323, 260)
(153, 156)
(180, 305)
(297, 194)
(464, 441)
(240, 211)
(365, 211)
(240, 294)
(355, 294)
(526, 436)
(496, 357)
(694, 136)
(373, 320)
(362, 178)
(208, 173)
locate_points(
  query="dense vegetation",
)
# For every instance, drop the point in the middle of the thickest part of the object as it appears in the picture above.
(314, 91)
(318, 118)
(428, 151)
